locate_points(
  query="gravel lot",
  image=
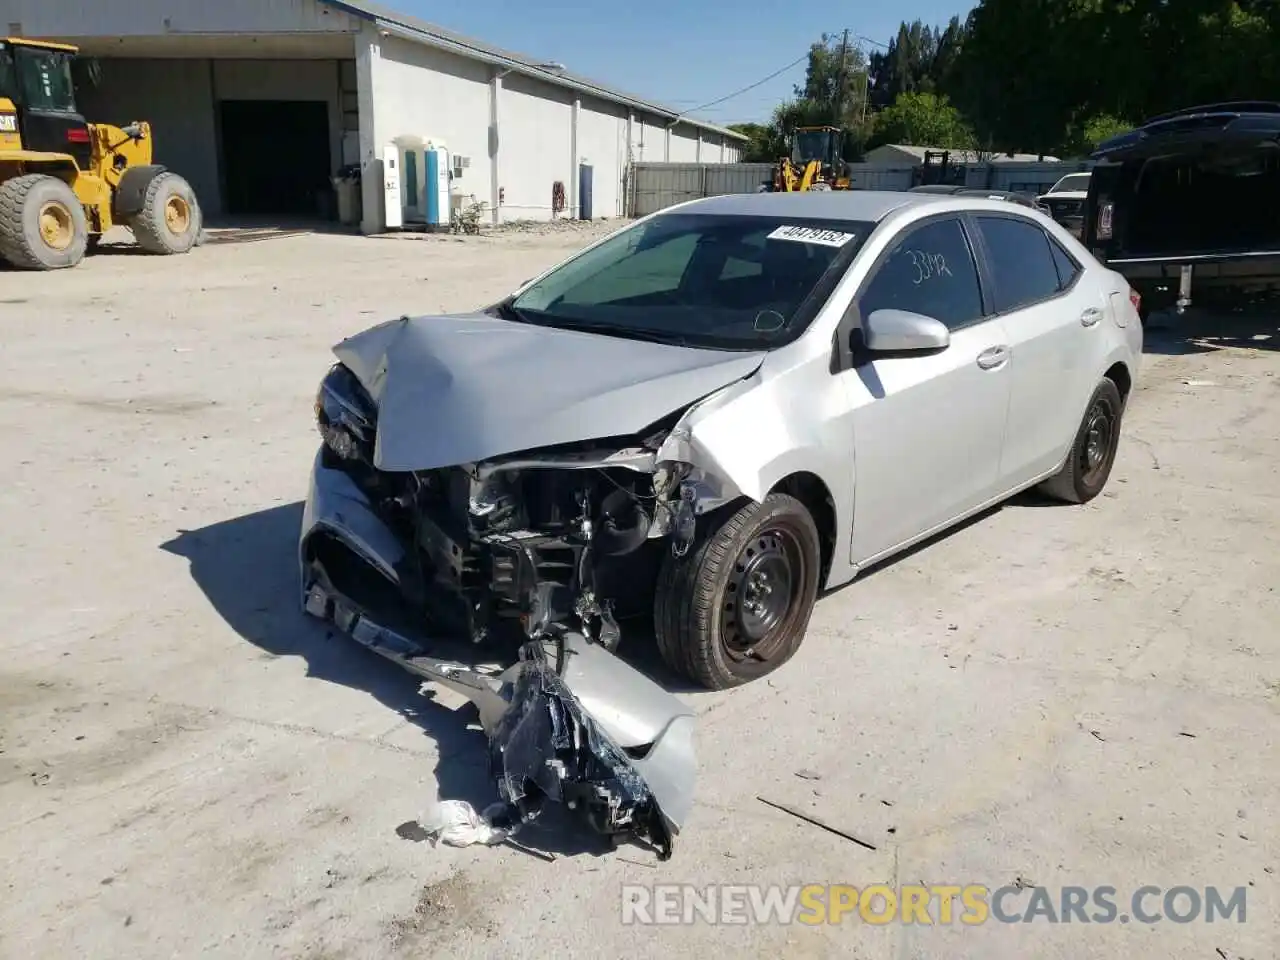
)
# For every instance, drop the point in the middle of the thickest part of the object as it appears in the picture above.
(1059, 695)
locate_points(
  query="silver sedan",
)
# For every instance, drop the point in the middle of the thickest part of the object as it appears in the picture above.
(701, 421)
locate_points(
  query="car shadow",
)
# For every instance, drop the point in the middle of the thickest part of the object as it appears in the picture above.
(247, 568)
(1206, 329)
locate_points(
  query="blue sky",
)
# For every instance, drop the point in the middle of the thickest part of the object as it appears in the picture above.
(682, 54)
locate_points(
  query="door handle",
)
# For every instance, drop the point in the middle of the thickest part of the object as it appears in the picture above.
(1091, 317)
(993, 357)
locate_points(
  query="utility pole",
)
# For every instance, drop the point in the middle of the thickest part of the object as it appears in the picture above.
(844, 60)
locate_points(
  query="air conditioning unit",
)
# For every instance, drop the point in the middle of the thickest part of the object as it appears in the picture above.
(460, 164)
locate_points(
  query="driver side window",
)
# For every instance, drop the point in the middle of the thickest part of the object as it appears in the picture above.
(930, 270)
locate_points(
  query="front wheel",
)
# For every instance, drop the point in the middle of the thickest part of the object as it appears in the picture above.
(736, 607)
(170, 219)
(1093, 451)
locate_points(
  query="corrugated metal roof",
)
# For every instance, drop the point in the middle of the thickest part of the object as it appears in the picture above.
(964, 156)
(414, 29)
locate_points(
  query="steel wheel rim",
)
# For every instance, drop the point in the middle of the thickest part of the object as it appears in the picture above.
(57, 228)
(762, 595)
(1099, 434)
(177, 214)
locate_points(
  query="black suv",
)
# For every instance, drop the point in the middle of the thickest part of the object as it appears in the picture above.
(1191, 195)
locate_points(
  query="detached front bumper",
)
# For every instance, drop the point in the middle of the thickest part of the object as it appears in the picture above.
(567, 720)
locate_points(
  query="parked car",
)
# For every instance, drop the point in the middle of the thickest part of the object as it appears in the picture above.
(1192, 194)
(949, 189)
(1065, 200)
(959, 190)
(707, 417)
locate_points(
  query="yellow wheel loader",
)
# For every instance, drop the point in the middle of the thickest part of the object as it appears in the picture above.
(65, 182)
(816, 162)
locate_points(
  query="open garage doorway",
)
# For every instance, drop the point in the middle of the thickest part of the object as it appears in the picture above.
(275, 158)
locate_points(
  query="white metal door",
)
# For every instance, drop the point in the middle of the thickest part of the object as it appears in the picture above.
(393, 208)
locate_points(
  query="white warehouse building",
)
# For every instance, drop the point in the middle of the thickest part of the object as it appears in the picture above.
(261, 103)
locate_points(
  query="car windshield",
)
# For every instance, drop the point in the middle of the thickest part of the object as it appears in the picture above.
(1075, 181)
(45, 79)
(704, 280)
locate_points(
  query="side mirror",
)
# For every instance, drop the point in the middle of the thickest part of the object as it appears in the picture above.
(900, 331)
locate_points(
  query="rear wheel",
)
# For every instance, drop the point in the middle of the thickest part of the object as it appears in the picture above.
(42, 224)
(170, 220)
(736, 607)
(1093, 452)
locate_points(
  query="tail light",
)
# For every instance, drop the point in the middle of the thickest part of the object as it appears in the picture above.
(77, 135)
(1136, 299)
(1105, 215)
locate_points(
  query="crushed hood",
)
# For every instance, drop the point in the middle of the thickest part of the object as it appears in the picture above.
(462, 389)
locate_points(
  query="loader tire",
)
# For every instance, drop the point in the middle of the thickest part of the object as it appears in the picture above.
(42, 224)
(170, 220)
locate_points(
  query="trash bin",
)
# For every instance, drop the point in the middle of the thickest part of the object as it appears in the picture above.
(346, 185)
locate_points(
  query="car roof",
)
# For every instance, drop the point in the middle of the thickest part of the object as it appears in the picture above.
(866, 205)
(1202, 124)
(1234, 107)
(1013, 196)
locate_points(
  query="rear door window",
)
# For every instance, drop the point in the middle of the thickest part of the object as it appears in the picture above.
(1068, 269)
(1021, 260)
(930, 270)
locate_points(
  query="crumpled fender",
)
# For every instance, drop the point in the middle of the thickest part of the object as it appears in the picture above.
(746, 437)
(336, 505)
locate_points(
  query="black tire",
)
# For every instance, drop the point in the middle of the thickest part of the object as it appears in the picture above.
(42, 223)
(1093, 451)
(170, 219)
(703, 629)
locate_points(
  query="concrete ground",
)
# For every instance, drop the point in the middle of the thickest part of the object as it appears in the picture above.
(1049, 696)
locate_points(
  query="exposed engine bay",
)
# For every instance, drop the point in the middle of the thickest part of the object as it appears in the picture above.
(535, 555)
(505, 550)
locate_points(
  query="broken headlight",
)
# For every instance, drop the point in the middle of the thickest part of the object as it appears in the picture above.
(344, 415)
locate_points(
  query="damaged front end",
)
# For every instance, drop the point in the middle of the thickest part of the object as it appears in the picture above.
(531, 557)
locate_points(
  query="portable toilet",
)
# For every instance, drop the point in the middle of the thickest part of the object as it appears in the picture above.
(437, 177)
(412, 150)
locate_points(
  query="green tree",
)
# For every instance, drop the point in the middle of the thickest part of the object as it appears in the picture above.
(1084, 136)
(835, 82)
(834, 93)
(920, 59)
(1044, 76)
(1025, 70)
(923, 120)
(1030, 73)
(765, 144)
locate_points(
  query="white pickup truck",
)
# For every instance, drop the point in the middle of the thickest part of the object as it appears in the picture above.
(1065, 200)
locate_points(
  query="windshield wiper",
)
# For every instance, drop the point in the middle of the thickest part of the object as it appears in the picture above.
(507, 312)
(613, 330)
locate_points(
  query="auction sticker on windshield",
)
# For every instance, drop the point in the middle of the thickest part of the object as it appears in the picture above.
(828, 238)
